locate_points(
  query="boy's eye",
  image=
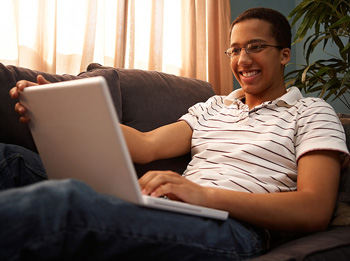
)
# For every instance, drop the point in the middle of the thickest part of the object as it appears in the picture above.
(254, 47)
(235, 50)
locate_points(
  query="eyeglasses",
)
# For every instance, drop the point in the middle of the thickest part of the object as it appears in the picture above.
(249, 48)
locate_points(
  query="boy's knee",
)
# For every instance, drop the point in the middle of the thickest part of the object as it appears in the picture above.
(69, 187)
(69, 190)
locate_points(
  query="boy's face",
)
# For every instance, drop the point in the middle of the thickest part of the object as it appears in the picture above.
(260, 74)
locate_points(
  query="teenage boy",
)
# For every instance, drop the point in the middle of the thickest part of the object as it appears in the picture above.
(265, 154)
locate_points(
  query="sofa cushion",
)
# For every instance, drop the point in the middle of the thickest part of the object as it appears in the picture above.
(12, 131)
(335, 242)
(151, 99)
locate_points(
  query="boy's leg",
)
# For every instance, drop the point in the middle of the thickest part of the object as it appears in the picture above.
(67, 220)
(19, 167)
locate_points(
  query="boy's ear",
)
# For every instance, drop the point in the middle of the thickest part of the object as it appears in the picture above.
(285, 56)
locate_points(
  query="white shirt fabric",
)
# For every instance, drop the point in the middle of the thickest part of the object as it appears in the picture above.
(257, 150)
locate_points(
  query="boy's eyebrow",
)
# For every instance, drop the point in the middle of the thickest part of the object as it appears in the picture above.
(251, 41)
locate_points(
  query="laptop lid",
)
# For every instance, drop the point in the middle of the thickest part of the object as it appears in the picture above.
(72, 123)
(76, 130)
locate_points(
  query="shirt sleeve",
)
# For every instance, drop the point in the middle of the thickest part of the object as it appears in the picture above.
(319, 128)
(195, 112)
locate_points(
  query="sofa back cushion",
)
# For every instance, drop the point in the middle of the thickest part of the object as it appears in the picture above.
(152, 99)
(13, 132)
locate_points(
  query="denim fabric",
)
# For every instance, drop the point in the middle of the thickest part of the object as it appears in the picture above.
(19, 167)
(67, 220)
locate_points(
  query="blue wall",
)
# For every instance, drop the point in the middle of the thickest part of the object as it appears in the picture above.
(285, 7)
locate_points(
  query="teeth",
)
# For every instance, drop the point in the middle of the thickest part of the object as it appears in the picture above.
(249, 74)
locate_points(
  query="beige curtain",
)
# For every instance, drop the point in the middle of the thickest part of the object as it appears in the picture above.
(205, 31)
(182, 37)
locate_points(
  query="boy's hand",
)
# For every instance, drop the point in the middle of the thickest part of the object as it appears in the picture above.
(174, 186)
(15, 92)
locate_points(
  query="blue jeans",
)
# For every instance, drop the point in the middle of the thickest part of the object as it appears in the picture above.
(67, 220)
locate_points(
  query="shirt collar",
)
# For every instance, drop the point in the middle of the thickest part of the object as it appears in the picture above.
(288, 99)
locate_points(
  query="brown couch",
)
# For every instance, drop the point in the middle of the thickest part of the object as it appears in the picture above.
(148, 99)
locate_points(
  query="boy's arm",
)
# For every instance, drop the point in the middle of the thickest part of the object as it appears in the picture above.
(164, 142)
(308, 209)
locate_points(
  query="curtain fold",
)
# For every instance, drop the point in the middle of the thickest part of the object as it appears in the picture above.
(219, 71)
(186, 37)
(155, 60)
(189, 39)
(121, 34)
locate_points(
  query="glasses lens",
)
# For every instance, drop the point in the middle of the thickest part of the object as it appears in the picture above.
(232, 51)
(254, 47)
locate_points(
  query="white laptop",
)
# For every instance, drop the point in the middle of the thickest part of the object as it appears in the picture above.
(76, 130)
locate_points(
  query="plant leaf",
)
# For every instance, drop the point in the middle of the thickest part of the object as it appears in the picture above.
(346, 79)
(341, 21)
(303, 76)
(333, 83)
(322, 71)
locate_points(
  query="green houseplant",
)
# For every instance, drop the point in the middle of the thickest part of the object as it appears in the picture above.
(329, 24)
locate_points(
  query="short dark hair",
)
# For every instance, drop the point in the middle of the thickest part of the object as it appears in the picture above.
(280, 27)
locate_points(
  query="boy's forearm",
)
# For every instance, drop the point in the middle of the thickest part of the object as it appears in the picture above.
(168, 141)
(139, 149)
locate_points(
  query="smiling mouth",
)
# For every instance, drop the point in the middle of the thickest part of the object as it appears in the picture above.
(249, 74)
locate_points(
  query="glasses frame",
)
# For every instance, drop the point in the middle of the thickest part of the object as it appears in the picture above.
(250, 52)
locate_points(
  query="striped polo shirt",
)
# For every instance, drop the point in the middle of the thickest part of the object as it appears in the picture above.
(257, 150)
